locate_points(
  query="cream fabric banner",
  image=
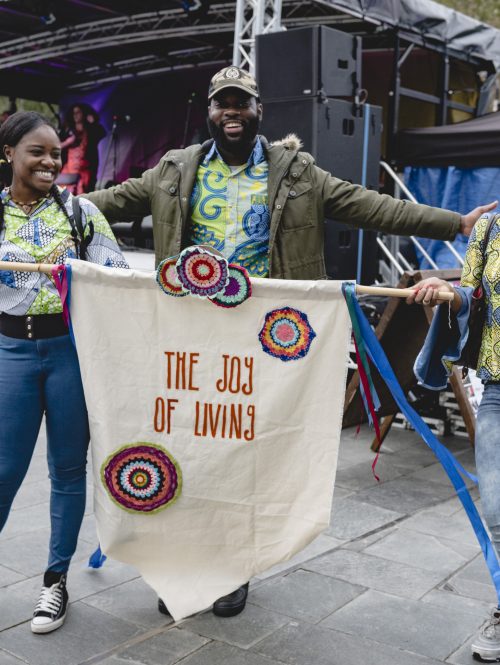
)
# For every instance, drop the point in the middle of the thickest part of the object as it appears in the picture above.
(214, 431)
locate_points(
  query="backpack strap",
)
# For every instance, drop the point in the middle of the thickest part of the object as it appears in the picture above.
(77, 225)
(491, 223)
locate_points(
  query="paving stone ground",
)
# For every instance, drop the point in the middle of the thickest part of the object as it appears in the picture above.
(397, 579)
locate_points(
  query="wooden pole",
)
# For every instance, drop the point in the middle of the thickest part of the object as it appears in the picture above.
(27, 267)
(370, 290)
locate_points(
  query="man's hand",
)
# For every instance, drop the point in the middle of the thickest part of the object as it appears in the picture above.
(467, 222)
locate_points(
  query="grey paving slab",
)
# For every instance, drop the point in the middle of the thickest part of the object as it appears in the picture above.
(319, 545)
(305, 595)
(31, 518)
(301, 644)
(340, 492)
(351, 519)
(376, 573)
(436, 474)
(8, 576)
(463, 656)
(243, 630)
(455, 526)
(450, 602)
(423, 550)
(473, 581)
(16, 607)
(359, 476)
(407, 624)
(7, 659)
(32, 493)
(88, 529)
(354, 450)
(87, 632)
(415, 456)
(407, 495)
(223, 654)
(84, 581)
(165, 648)
(360, 544)
(27, 553)
(143, 610)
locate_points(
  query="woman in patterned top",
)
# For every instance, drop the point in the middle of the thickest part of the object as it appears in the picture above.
(39, 371)
(482, 266)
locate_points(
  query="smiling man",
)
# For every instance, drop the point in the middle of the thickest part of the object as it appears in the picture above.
(263, 206)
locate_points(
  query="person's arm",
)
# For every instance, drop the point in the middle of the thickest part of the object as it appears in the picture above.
(130, 200)
(356, 205)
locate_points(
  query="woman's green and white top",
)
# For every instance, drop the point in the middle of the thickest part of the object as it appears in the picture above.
(44, 236)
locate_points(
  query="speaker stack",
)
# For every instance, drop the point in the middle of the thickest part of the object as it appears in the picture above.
(303, 75)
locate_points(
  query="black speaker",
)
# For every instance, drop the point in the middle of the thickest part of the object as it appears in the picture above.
(341, 252)
(337, 136)
(308, 61)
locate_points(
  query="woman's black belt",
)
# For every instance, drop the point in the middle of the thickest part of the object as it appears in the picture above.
(36, 326)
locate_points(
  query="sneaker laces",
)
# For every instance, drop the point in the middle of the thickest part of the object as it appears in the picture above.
(491, 627)
(50, 599)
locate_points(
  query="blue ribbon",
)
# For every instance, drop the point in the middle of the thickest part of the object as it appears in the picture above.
(451, 466)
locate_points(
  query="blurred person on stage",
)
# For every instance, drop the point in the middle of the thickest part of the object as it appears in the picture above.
(262, 205)
(81, 134)
(39, 370)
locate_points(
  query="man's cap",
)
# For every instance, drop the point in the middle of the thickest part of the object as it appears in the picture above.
(233, 77)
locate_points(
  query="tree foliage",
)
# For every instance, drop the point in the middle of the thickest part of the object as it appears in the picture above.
(487, 11)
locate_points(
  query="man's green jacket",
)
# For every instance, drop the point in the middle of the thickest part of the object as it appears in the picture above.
(300, 196)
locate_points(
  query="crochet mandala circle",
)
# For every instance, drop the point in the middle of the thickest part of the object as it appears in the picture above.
(237, 289)
(286, 334)
(142, 478)
(202, 273)
(166, 276)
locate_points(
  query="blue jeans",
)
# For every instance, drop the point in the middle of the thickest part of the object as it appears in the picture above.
(488, 459)
(36, 378)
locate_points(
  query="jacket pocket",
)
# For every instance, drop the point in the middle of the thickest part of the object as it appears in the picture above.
(167, 204)
(298, 208)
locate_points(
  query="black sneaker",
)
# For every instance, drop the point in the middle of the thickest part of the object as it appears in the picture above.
(50, 611)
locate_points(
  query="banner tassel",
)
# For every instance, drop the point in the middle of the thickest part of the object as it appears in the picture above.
(97, 558)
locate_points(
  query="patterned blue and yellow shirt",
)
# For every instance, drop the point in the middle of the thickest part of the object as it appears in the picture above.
(44, 236)
(476, 271)
(229, 209)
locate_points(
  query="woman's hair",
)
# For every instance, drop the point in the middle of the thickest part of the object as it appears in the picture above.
(11, 132)
(69, 122)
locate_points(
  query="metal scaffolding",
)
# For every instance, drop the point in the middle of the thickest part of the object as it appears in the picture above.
(253, 17)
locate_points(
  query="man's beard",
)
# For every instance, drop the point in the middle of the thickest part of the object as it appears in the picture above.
(243, 145)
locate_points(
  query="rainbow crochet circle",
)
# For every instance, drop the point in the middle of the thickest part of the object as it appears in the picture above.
(237, 290)
(142, 477)
(166, 276)
(286, 334)
(202, 273)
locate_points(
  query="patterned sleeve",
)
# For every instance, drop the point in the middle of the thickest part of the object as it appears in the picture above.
(473, 265)
(103, 248)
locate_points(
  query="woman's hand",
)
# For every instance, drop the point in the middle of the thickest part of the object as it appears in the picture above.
(426, 293)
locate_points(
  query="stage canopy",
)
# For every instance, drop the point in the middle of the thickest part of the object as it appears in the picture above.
(471, 144)
(51, 47)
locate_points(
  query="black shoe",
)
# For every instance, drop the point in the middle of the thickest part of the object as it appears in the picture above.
(232, 604)
(50, 611)
(163, 608)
